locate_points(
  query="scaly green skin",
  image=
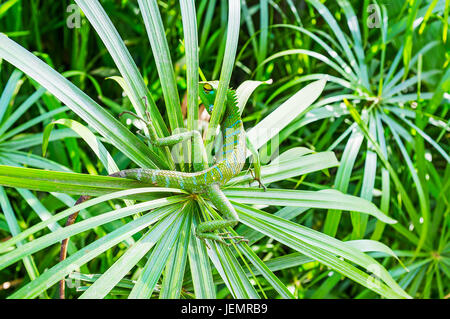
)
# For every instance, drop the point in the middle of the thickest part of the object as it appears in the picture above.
(207, 181)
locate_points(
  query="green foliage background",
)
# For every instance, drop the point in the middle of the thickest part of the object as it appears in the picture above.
(386, 120)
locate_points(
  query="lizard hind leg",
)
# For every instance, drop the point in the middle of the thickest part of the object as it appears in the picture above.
(206, 230)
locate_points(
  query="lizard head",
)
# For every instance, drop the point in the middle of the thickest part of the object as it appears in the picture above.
(207, 92)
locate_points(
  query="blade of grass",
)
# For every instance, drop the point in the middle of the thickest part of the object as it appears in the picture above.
(175, 268)
(343, 178)
(38, 227)
(370, 166)
(200, 266)
(21, 110)
(160, 48)
(123, 60)
(108, 280)
(13, 228)
(321, 247)
(234, 16)
(272, 124)
(60, 234)
(102, 121)
(329, 198)
(192, 66)
(71, 183)
(94, 143)
(8, 92)
(53, 275)
(146, 283)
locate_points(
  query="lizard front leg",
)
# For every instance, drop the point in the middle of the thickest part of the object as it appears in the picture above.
(201, 159)
(256, 164)
(199, 162)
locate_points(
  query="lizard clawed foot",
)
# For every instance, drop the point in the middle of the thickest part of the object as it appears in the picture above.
(147, 113)
(224, 233)
(132, 114)
(235, 240)
(261, 185)
(148, 122)
(222, 238)
(239, 238)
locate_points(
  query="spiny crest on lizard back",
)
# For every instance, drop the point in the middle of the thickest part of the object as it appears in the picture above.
(232, 97)
(207, 93)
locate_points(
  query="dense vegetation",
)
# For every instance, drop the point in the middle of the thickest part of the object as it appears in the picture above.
(347, 103)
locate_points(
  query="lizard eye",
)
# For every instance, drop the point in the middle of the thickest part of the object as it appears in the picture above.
(207, 88)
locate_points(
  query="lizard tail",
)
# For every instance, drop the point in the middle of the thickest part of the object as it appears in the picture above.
(195, 182)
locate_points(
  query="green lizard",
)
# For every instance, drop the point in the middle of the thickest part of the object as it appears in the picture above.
(206, 181)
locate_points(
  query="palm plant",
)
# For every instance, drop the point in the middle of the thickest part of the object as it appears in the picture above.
(390, 111)
(13, 141)
(158, 231)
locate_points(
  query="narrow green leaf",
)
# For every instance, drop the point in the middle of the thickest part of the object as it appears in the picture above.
(327, 199)
(160, 48)
(60, 270)
(35, 228)
(272, 124)
(146, 283)
(175, 268)
(102, 121)
(123, 60)
(8, 91)
(200, 266)
(234, 19)
(93, 142)
(246, 89)
(323, 248)
(33, 98)
(103, 285)
(60, 234)
(70, 183)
